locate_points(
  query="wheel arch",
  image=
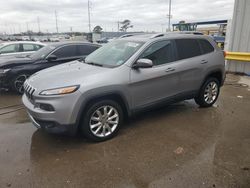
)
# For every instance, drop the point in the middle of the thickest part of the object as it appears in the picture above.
(115, 96)
(218, 74)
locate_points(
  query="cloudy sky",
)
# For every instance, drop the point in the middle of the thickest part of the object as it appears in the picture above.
(146, 15)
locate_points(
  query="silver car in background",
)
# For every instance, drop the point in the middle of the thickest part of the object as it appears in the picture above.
(122, 78)
(20, 48)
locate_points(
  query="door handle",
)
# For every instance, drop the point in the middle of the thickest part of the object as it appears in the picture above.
(204, 61)
(170, 70)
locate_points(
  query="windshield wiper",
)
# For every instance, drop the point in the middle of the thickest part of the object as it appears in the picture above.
(92, 63)
(81, 60)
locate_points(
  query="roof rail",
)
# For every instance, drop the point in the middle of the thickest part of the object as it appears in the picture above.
(157, 35)
(188, 32)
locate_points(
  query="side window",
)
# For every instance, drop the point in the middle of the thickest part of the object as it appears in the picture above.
(28, 47)
(66, 51)
(160, 53)
(206, 47)
(37, 47)
(187, 48)
(12, 48)
(85, 49)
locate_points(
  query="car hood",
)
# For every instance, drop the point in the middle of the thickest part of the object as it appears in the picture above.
(68, 74)
(9, 62)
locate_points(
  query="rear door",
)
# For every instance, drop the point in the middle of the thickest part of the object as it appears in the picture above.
(28, 48)
(191, 65)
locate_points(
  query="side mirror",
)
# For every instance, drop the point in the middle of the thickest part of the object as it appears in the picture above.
(143, 63)
(52, 57)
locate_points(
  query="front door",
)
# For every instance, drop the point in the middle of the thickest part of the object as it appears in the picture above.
(151, 85)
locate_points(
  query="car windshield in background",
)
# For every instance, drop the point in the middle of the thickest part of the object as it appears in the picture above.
(43, 52)
(114, 54)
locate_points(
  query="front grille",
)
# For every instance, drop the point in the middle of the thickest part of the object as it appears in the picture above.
(29, 91)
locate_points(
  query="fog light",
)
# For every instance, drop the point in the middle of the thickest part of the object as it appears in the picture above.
(46, 107)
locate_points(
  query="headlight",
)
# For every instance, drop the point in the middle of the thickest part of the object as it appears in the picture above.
(3, 71)
(60, 91)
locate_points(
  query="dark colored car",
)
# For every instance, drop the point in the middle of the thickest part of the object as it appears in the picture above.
(14, 71)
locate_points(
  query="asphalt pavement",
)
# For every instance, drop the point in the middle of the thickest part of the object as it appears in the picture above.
(180, 145)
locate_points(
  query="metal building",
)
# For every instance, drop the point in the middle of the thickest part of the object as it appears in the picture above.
(239, 36)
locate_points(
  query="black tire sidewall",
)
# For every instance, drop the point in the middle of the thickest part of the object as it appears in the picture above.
(85, 128)
(200, 100)
(13, 87)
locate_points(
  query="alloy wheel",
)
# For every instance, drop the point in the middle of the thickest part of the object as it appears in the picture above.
(104, 121)
(211, 92)
(19, 81)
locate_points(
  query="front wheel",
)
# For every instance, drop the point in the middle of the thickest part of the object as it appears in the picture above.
(102, 120)
(209, 93)
(18, 81)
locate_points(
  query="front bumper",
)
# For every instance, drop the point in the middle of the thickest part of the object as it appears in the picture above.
(53, 127)
(61, 120)
(3, 82)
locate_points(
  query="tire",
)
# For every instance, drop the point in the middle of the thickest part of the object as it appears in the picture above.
(18, 81)
(102, 129)
(208, 93)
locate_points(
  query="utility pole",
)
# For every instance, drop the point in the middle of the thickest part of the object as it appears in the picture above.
(20, 30)
(169, 15)
(89, 15)
(118, 26)
(38, 23)
(27, 25)
(56, 22)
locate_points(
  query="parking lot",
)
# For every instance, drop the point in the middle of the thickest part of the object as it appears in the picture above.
(180, 145)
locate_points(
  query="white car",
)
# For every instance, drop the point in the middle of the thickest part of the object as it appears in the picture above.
(25, 38)
(20, 48)
(54, 39)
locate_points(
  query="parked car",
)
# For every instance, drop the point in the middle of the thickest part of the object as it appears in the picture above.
(25, 38)
(124, 77)
(12, 49)
(14, 72)
(54, 39)
(102, 40)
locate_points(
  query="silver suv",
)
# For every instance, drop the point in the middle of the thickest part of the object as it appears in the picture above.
(121, 78)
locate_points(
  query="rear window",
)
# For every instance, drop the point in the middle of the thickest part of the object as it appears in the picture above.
(187, 48)
(206, 47)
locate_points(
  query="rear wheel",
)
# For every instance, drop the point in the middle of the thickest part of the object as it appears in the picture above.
(102, 120)
(18, 81)
(209, 93)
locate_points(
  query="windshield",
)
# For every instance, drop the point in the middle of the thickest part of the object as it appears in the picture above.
(114, 53)
(43, 52)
